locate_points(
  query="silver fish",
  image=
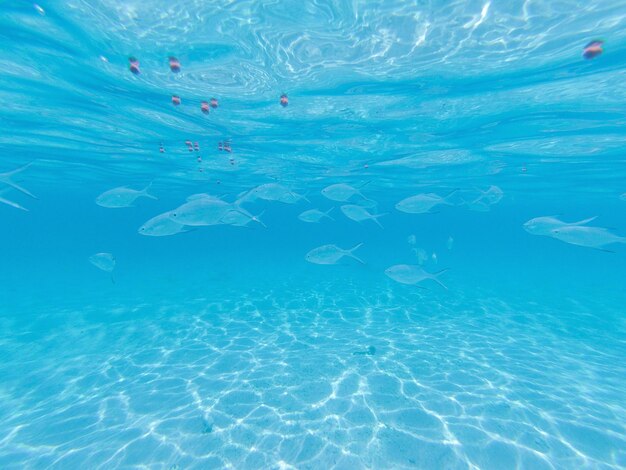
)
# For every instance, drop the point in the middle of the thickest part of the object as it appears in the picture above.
(239, 217)
(422, 203)
(591, 237)
(161, 226)
(117, 198)
(412, 274)
(359, 214)
(104, 261)
(201, 210)
(331, 254)
(315, 215)
(273, 192)
(546, 224)
(342, 192)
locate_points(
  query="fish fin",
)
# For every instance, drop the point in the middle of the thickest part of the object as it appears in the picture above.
(364, 184)
(351, 254)
(304, 196)
(435, 277)
(375, 219)
(356, 258)
(7, 181)
(112, 278)
(585, 221)
(451, 193)
(12, 204)
(145, 192)
(16, 171)
(257, 218)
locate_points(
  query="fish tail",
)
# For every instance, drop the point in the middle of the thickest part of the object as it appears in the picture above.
(243, 197)
(16, 171)
(435, 277)
(585, 221)
(19, 188)
(257, 218)
(375, 219)
(146, 193)
(328, 212)
(12, 204)
(350, 252)
(6, 179)
(450, 194)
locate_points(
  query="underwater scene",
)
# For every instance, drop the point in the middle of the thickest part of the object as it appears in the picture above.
(312, 234)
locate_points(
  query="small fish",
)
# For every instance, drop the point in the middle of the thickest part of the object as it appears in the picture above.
(133, 65)
(122, 197)
(450, 243)
(239, 217)
(214, 103)
(161, 148)
(546, 224)
(104, 261)
(342, 192)
(331, 254)
(370, 351)
(10, 203)
(5, 178)
(161, 226)
(284, 101)
(434, 258)
(174, 64)
(359, 214)
(590, 237)
(423, 203)
(593, 49)
(175, 100)
(486, 199)
(412, 274)
(274, 192)
(411, 240)
(40, 10)
(204, 107)
(315, 215)
(201, 210)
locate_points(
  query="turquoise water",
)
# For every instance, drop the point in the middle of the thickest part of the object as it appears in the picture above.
(221, 346)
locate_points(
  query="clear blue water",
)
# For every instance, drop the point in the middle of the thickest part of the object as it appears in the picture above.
(223, 347)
